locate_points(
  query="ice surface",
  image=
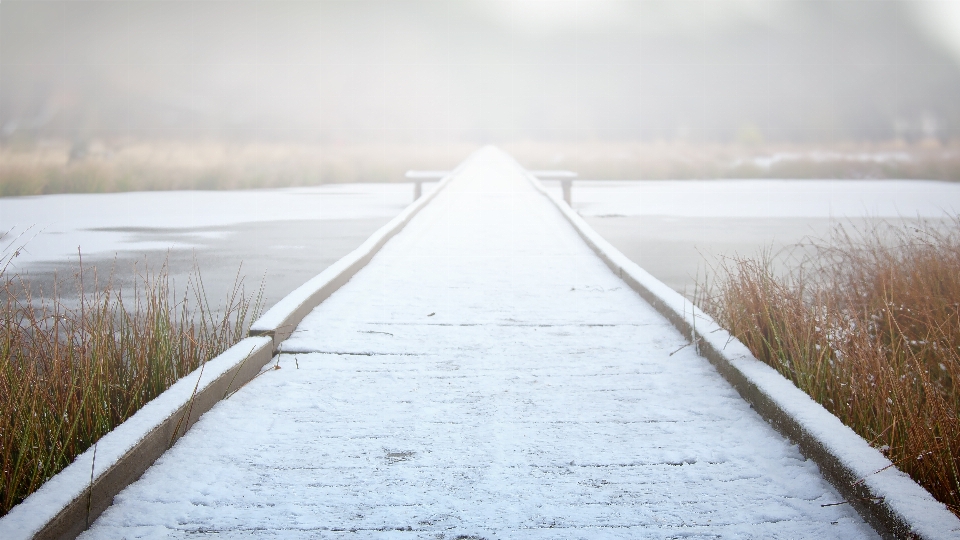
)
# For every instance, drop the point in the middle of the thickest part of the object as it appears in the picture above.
(105, 223)
(766, 198)
(485, 375)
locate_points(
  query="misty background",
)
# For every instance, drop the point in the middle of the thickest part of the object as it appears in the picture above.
(143, 96)
(480, 71)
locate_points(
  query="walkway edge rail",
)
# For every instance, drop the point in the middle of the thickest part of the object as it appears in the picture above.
(888, 499)
(68, 503)
(280, 321)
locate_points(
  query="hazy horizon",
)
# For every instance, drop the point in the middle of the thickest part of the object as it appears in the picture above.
(428, 71)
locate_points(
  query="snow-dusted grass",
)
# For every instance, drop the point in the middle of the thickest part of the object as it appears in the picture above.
(869, 326)
(675, 160)
(60, 166)
(69, 376)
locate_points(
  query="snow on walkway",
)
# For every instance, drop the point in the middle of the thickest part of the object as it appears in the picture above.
(484, 376)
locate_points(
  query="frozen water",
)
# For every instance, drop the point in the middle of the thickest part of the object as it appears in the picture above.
(99, 224)
(767, 198)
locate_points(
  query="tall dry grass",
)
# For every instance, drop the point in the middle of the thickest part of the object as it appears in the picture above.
(46, 167)
(59, 166)
(680, 160)
(868, 324)
(68, 375)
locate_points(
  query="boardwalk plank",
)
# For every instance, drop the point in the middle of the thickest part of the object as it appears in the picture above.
(484, 376)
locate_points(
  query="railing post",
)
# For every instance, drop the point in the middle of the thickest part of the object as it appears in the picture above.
(419, 177)
(565, 178)
(566, 182)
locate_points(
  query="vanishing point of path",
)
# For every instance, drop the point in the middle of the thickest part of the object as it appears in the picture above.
(485, 376)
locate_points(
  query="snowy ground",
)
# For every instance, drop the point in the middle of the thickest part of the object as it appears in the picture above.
(484, 376)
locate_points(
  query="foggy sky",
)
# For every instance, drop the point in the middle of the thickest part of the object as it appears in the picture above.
(479, 70)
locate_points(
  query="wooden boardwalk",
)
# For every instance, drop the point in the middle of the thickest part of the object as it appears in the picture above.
(485, 376)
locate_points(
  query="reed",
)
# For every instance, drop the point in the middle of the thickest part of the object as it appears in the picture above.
(868, 324)
(59, 166)
(47, 167)
(72, 371)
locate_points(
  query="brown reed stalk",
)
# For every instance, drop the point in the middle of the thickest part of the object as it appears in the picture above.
(869, 326)
(68, 376)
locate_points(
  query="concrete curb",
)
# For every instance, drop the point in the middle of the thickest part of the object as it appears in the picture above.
(67, 503)
(281, 320)
(888, 499)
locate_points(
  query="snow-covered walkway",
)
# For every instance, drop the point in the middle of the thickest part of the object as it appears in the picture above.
(484, 376)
